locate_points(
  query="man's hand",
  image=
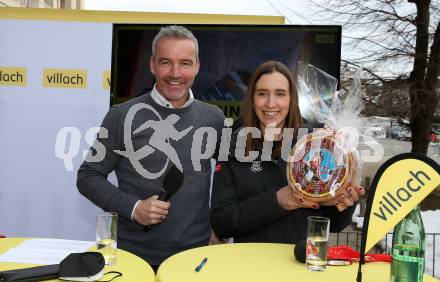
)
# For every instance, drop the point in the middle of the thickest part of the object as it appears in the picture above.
(290, 200)
(151, 211)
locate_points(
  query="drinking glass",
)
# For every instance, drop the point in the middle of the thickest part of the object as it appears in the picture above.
(106, 236)
(318, 229)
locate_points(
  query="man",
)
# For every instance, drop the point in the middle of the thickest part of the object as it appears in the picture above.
(163, 123)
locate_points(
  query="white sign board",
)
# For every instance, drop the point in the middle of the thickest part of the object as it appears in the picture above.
(51, 77)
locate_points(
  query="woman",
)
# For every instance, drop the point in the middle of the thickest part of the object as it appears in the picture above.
(251, 201)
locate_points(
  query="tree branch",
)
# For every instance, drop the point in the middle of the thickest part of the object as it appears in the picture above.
(366, 69)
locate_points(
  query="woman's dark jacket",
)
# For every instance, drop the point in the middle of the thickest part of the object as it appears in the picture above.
(244, 204)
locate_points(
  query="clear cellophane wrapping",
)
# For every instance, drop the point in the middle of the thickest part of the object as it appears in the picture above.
(323, 163)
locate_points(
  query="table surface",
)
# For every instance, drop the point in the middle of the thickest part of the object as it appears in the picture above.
(259, 262)
(132, 267)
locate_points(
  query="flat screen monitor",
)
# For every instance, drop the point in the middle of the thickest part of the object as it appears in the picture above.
(228, 55)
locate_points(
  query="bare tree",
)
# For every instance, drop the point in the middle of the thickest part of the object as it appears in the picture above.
(424, 77)
(396, 40)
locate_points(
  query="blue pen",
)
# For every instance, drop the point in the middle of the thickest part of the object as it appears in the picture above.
(199, 267)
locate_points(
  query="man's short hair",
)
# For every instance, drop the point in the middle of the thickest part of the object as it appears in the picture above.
(175, 32)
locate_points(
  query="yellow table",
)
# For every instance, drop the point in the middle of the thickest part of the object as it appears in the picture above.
(259, 262)
(132, 267)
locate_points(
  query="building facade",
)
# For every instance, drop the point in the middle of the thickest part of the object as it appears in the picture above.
(55, 4)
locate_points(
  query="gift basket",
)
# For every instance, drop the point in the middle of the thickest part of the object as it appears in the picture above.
(324, 162)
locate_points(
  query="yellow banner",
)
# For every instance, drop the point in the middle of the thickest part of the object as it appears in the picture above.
(403, 185)
(231, 109)
(106, 80)
(13, 76)
(65, 78)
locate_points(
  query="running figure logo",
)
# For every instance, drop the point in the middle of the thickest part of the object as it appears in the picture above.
(164, 130)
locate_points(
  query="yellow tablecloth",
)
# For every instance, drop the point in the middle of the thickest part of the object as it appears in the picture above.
(259, 262)
(132, 267)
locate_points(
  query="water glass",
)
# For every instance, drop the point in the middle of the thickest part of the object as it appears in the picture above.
(106, 236)
(318, 229)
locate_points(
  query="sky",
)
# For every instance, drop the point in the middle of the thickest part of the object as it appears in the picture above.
(295, 11)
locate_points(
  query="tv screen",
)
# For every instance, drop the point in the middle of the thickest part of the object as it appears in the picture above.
(228, 56)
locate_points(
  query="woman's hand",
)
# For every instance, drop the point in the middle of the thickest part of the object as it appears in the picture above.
(347, 198)
(214, 239)
(289, 200)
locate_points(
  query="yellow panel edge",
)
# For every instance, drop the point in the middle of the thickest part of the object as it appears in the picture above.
(134, 17)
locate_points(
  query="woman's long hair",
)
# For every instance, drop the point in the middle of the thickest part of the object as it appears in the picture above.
(250, 119)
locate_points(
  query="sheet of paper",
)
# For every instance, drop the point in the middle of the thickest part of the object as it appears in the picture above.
(44, 251)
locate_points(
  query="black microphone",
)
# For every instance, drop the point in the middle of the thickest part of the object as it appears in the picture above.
(300, 251)
(171, 183)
